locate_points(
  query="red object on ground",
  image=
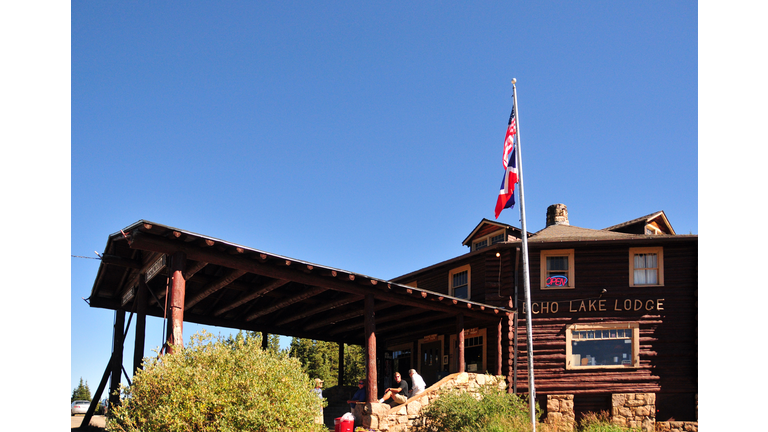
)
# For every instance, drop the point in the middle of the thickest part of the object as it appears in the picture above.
(340, 425)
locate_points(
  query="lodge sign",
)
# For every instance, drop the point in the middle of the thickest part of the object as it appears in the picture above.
(155, 268)
(596, 305)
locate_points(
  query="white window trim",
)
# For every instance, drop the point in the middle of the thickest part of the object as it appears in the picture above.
(634, 326)
(466, 268)
(571, 268)
(659, 251)
(487, 239)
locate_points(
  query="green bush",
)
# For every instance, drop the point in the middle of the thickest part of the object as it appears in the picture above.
(217, 384)
(601, 422)
(490, 410)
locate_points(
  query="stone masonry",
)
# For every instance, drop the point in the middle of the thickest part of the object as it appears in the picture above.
(560, 414)
(382, 417)
(634, 410)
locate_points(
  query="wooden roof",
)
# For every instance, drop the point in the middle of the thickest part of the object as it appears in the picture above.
(234, 286)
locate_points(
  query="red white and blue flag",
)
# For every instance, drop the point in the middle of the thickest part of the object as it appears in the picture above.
(509, 140)
(506, 197)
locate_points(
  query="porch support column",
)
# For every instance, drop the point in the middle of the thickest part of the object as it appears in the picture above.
(116, 364)
(372, 389)
(175, 336)
(499, 345)
(141, 324)
(341, 363)
(460, 340)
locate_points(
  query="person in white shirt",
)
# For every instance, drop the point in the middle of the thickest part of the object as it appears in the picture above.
(418, 383)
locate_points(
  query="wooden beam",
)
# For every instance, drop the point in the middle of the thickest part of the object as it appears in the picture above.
(145, 241)
(460, 340)
(322, 308)
(141, 325)
(230, 276)
(370, 352)
(117, 357)
(175, 335)
(120, 261)
(252, 296)
(287, 302)
(341, 365)
(194, 268)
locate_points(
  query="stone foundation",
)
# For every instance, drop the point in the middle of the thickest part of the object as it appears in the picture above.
(677, 426)
(634, 410)
(382, 417)
(560, 414)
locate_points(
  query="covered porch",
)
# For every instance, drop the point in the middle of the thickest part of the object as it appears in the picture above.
(149, 269)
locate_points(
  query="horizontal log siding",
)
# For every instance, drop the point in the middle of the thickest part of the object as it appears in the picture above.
(668, 350)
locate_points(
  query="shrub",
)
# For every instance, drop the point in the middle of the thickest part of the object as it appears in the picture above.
(601, 422)
(217, 384)
(490, 410)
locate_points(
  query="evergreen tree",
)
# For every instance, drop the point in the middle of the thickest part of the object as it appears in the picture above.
(320, 359)
(81, 392)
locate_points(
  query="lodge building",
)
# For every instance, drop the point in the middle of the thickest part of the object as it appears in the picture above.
(614, 310)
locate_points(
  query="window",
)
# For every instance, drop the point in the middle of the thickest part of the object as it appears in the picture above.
(459, 280)
(557, 269)
(475, 341)
(613, 345)
(486, 241)
(646, 266)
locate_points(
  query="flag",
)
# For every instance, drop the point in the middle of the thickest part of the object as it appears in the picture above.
(506, 197)
(509, 140)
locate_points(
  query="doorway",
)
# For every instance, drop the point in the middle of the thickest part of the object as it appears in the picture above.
(431, 359)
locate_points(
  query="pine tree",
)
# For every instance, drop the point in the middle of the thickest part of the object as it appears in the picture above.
(81, 392)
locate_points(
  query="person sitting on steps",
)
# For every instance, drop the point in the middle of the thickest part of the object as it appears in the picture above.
(397, 394)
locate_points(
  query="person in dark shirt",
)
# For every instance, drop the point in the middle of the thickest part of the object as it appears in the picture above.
(399, 393)
(359, 395)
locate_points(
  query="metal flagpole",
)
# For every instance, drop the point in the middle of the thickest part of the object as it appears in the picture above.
(526, 277)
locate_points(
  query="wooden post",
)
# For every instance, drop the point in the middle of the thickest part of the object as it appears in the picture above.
(372, 389)
(116, 365)
(460, 340)
(141, 324)
(175, 336)
(341, 363)
(499, 346)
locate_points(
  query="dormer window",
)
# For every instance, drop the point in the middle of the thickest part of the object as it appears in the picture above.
(488, 240)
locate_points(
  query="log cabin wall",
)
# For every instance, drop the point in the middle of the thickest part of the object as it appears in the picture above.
(666, 316)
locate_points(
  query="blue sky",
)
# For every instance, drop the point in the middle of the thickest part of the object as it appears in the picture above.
(360, 135)
(368, 136)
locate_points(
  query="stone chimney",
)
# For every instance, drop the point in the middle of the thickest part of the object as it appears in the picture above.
(557, 214)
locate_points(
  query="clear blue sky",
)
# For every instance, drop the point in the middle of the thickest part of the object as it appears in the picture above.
(368, 136)
(360, 135)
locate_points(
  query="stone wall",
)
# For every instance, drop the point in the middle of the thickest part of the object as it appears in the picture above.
(560, 414)
(634, 410)
(677, 426)
(382, 417)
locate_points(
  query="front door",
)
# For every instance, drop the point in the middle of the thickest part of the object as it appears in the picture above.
(431, 361)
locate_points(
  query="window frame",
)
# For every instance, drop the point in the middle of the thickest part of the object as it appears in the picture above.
(659, 251)
(456, 270)
(633, 326)
(487, 240)
(468, 334)
(570, 253)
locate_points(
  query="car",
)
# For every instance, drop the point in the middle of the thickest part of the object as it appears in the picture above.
(80, 407)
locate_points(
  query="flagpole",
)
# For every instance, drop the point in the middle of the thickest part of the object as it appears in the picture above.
(526, 277)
